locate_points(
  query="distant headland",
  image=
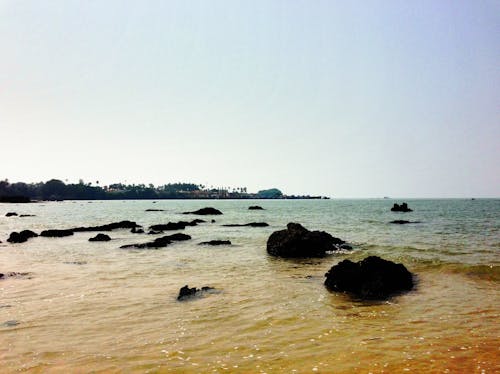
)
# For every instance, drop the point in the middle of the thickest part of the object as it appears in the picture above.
(56, 189)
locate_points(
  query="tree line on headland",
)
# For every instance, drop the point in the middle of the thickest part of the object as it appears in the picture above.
(56, 189)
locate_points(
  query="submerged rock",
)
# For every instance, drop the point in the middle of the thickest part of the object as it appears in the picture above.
(21, 237)
(251, 224)
(205, 211)
(401, 208)
(159, 242)
(187, 293)
(216, 242)
(255, 207)
(108, 227)
(403, 222)
(27, 215)
(371, 278)
(13, 274)
(56, 233)
(11, 214)
(100, 238)
(181, 225)
(297, 241)
(154, 210)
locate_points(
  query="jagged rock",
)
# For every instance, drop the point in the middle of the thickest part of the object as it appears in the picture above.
(21, 237)
(216, 242)
(181, 225)
(251, 224)
(205, 211)
(137, 231)
(186, 292)
(401, 208)
(56, 233)
(13, 274)
(108, 227)
(297, 241)
(159, 242)
(11, 214)
(100, 238)
(255, 207)
(371, 278)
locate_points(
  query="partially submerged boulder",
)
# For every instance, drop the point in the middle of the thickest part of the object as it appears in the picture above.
(154, 210)
(108, 227)
(21, 237)
(159, 242)
(205, 211)
(297, 241)
(251, 224)
(136, 231)
(371, 278)
(100, 238)
(11, 214)
(56, 233)
(255, 207)
(401, 208)
(181, 225)
(187, 293)
(216, 242)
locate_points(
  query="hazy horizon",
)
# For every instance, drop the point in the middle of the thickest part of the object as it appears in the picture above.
(343, 99)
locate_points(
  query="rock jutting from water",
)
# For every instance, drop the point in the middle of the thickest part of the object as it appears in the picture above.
(187, 293)
(136, 231)
(205, 212)
(55, 233)
(21, 237)
(154, 210)
(100, 238)
(296, 241)
(108, 227)
(159, 242)
(401, 208)
(216, 242)
(372, 278)
(27, 215)
(251, 224)
(181, 225)
(11, 214)
(255, 207)
(402, 222)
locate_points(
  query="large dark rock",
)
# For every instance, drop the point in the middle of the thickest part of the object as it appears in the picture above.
(205, 212)
(100, 238)
(216, 242)
(21, 237)
(401, 208)
(371, 278)
(56, 233)
(255, 207)
(187, 293)
(11, 214)
(297, 241)
(108, 227)
(159, 242)
(251, 224)
(181, 225)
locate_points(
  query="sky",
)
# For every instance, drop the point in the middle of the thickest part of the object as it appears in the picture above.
(337, 98)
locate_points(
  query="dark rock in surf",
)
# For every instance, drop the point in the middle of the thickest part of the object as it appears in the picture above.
(205, 212)
(187, 293)
(255, 207)
(401, 208)
(136, 231)
(21, 237)
(11, 214)
(216, 242)
(251, 224)
(181, 225)
(154, 210)
(371, 278)
(108, 227)
(56, 233)
(297, 241)
(159, 242)
(403, 222)
(100, 238)
(13, 274)
(27, 215)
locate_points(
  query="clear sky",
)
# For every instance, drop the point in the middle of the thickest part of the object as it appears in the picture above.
(339, 98)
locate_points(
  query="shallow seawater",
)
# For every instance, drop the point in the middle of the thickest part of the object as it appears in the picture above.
(95, 307)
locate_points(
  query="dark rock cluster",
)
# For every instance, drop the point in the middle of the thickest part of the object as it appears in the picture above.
(187, 293)
(159, 242)
(401, 208)
(297, 241)
(371, 278)
(21, 237)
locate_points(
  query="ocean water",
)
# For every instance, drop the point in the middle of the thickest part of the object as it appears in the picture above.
(95, 307)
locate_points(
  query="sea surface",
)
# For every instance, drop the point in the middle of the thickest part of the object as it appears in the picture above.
(93, 307)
